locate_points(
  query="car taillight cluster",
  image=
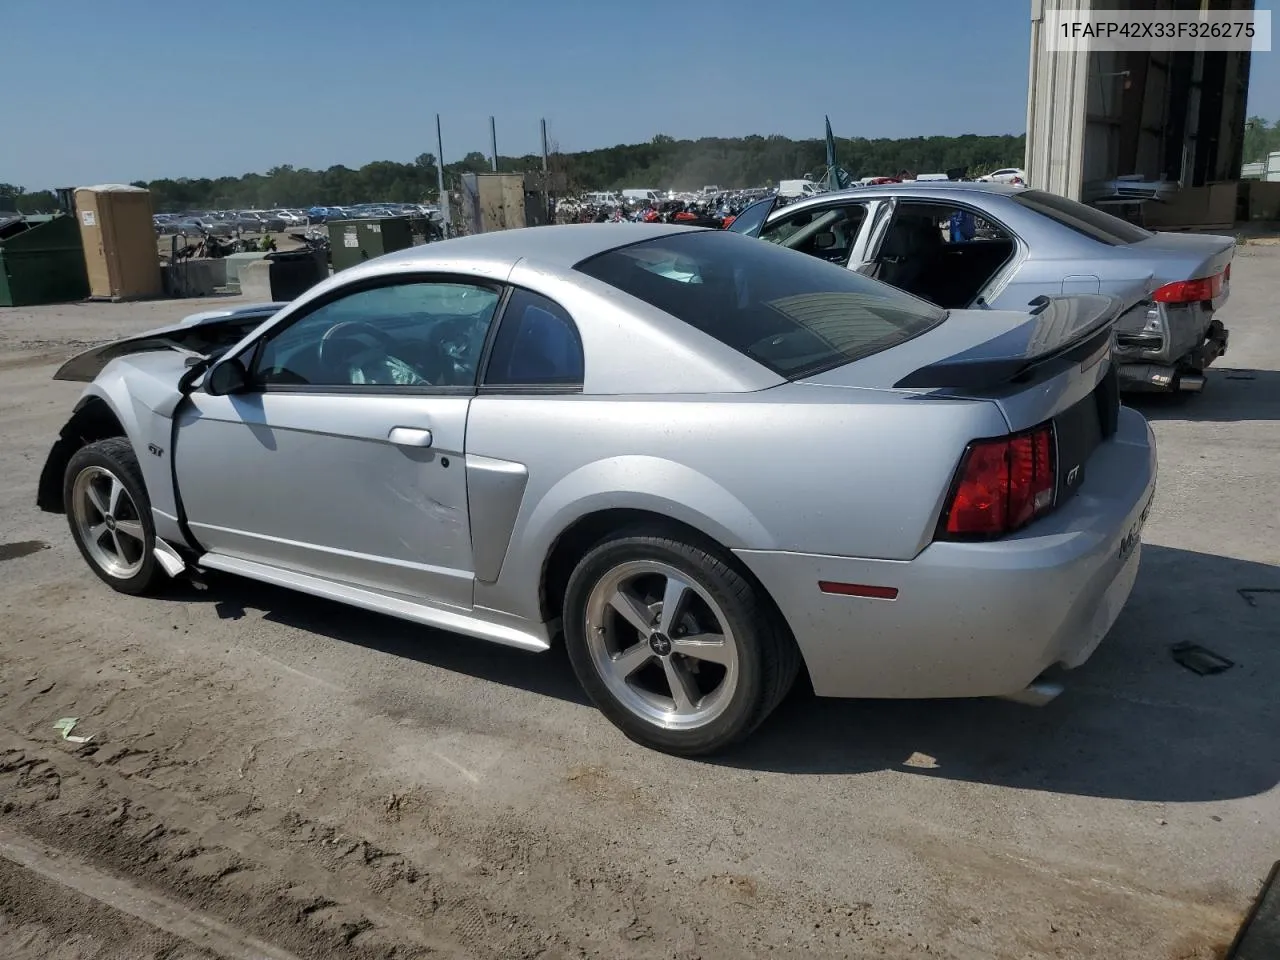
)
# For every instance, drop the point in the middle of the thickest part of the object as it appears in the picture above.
(1002, 484)
(1192, 291)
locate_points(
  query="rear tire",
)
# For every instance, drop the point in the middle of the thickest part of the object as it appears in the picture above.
(110, 515)
(676, 647)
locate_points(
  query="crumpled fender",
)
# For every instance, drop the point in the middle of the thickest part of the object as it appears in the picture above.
(141, 393)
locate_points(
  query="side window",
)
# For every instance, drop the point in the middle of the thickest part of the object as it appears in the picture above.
(425, 334)
(825, 232)
(942, 252)
(537, 346)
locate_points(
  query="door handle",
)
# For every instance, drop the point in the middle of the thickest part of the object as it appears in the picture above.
(410, 437)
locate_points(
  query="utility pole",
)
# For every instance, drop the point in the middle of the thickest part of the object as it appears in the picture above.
(443, 200)
(546, 179)
(493, 141)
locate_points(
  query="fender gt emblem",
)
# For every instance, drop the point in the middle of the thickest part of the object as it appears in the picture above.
(153, 449)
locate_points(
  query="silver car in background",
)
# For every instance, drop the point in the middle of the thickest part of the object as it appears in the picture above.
(960, 244)
(708, 461)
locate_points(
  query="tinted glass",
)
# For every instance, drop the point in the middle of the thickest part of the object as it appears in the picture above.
(750, 220)
(537, 345)
(405, 334)
(1102, 227)
(792, 313)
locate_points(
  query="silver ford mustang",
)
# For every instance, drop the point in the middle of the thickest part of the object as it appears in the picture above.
(709, 461)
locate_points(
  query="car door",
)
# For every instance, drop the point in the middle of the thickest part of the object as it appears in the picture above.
(829, 231)
(946, 252)
(343, 455)
(867, 250)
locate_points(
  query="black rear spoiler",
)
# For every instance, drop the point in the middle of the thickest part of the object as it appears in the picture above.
(1062, 331)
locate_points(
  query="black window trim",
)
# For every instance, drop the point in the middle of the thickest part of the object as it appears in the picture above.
(525, 389)
(361, 389)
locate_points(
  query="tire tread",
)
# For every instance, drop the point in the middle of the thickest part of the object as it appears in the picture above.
(118, 452)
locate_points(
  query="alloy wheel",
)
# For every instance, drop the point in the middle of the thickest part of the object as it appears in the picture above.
(661, 644)
(108, 522)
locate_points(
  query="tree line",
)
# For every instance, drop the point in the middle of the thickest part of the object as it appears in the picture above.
(1260, 139)
(661, 163)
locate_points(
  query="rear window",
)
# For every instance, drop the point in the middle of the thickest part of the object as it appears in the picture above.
(788, 311)
(1102, 227)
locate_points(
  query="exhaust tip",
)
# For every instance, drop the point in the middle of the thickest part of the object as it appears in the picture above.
(1191, 383)
(1036, 694)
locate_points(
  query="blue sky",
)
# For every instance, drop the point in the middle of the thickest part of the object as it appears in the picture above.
(111, 90)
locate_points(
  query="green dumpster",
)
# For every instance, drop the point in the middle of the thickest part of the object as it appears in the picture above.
(41, 261)
(352, 242)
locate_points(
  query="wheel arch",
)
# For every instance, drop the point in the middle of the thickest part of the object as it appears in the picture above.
(590, 529)
(93, 419)
(608, 495)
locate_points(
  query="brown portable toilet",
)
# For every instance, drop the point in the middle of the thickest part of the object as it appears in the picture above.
(119, 242)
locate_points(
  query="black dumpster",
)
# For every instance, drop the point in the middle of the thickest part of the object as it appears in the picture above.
(294, 272)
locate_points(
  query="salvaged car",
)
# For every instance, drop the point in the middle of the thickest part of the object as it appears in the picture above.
(709, 462)
(999, 245)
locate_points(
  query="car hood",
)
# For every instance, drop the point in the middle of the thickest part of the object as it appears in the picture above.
(199, 334)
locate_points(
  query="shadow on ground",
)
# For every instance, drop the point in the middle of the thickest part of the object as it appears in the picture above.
(1229, 395)
(548, 674)
(1132, 724)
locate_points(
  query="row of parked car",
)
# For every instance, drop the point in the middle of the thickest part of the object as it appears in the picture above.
(226, 223)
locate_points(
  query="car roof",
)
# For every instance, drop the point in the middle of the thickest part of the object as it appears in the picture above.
(560, 246)
(929, 189)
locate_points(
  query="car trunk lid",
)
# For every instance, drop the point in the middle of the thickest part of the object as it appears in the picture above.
(1187, 256)
(1052, 363)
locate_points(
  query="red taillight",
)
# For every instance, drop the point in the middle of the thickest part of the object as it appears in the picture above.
(1191, 291)
(1003, 484)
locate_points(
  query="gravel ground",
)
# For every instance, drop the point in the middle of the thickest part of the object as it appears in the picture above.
(272, 775)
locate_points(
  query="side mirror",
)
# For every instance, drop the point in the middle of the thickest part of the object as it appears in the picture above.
(226, 377)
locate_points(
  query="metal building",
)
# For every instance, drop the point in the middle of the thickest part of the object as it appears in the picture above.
(1176, 117)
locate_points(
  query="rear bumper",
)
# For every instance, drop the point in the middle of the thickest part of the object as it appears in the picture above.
(1154, 346)
(976, 619)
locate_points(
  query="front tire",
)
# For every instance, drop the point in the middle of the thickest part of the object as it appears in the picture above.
(675, 646)
(110, 515)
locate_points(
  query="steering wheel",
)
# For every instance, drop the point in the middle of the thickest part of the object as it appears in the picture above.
(361, 331)
(455, 350)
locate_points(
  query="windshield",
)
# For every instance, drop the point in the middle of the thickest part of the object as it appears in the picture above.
(790, 312)
(1102, 227)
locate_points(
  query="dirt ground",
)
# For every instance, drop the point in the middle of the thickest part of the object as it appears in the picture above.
(271, 775)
